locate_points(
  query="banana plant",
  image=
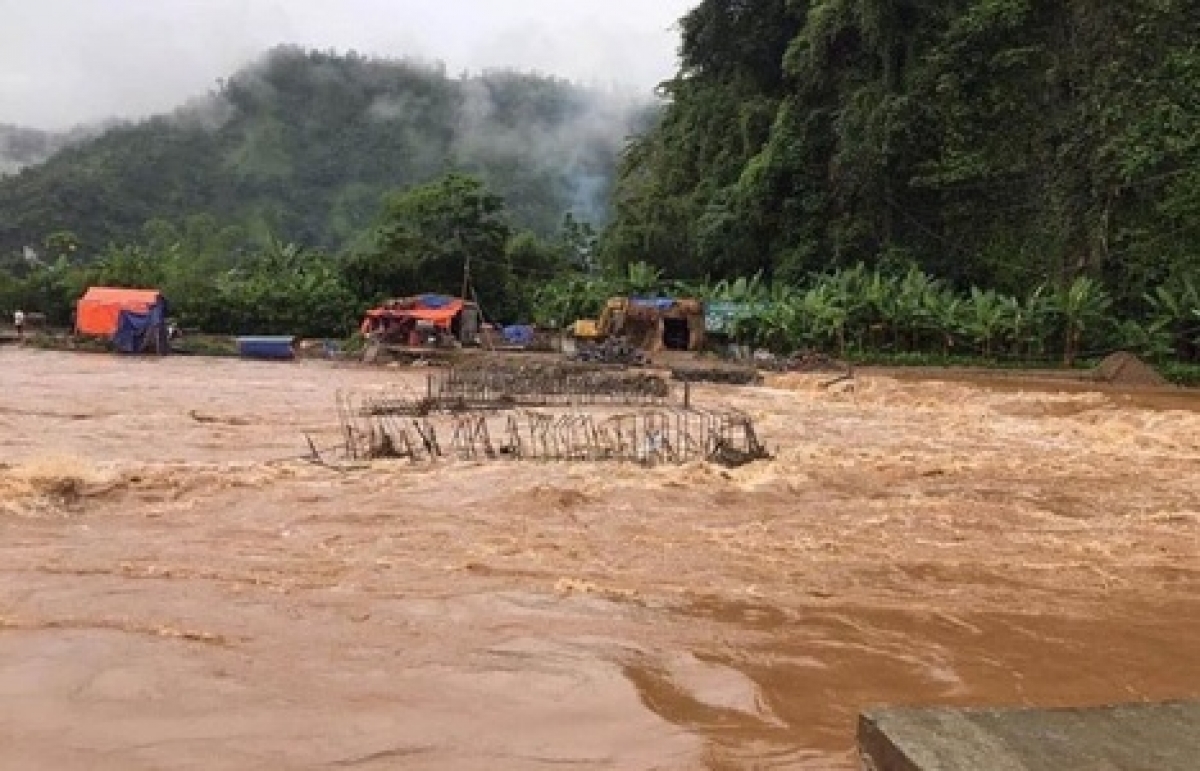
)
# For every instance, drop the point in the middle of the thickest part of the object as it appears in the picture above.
(698, 289)
(1148, 338)
(563, 300)
(1082, 306)
(879, 307)
(823, 313)
(916, 292)
(846, 291)
(741, 290)
(1176, 312)
(946, 311)
(642, 278)
(986, 317)
(1032, 325)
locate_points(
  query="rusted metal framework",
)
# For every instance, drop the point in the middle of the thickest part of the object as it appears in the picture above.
(376, 427)
(649, 436)
(547, 386)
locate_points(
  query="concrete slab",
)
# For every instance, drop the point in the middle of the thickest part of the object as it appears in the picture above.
(1142, 737)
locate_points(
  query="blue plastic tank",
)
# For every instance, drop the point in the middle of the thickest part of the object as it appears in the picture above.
(275, 348)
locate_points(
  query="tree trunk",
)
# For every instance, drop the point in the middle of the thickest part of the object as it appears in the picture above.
(1071, 350)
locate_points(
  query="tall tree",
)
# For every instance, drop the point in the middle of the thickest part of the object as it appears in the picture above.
(434, 237)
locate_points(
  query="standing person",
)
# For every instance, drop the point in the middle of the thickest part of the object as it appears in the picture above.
(19, 323)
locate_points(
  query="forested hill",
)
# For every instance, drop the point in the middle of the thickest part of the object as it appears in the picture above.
(998, 142)
(303, 145)
(21, 147)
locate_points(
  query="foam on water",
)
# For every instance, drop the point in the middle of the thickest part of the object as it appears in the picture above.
(50, 486)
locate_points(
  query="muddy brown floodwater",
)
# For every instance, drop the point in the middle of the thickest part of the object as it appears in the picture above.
(180, 591)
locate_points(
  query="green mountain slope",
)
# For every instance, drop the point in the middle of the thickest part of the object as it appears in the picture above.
(999, 142)
(303, 145)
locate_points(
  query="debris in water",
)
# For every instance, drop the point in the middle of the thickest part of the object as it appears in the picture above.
(471, 418)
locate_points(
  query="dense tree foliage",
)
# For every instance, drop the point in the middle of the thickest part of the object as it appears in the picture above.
(430, 238)
(449, 236)
(277, 289)
(1002, 143)
(304, 144)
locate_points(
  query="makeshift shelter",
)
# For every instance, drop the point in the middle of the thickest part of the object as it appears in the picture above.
(655, 323)
(134, 319)
(404, 318)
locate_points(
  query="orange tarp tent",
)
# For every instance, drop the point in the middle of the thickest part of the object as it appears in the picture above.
(99, 310)
(442, 316)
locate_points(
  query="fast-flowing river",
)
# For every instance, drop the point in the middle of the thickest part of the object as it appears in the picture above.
(180, 589)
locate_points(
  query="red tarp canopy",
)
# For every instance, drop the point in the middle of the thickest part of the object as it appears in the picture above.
(100, 307)
(442, 316)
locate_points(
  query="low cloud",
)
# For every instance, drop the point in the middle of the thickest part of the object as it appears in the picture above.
(578, 143)
(66, 62)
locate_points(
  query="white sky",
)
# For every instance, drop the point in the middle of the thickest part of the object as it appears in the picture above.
(65, 62)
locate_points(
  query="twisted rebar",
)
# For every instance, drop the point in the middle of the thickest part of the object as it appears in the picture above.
(395, 427)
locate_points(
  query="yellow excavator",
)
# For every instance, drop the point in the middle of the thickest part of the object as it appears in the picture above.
(610, 323)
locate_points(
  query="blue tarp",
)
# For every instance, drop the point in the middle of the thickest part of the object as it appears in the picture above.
(138, 332)
(518, 335)
(434, 302)
(657, 303)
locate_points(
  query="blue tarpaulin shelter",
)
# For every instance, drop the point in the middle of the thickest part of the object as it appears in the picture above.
(137, 332)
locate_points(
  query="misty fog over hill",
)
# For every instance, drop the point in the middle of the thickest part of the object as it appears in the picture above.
(303, 144)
